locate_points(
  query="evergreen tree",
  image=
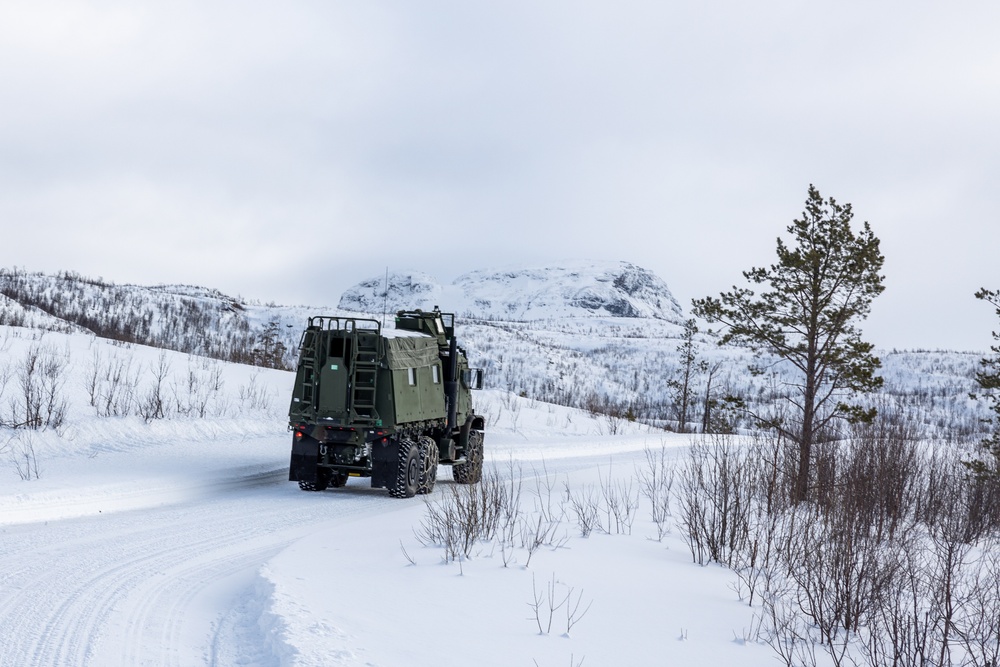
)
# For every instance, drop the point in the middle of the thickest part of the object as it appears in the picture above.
(269, 351)
(806, 316)
(989, 381)
(690, 367)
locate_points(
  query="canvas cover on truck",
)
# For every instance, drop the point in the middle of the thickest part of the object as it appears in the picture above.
(415, 351)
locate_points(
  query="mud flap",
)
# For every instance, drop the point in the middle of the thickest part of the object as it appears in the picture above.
(463, 435)
(305, 460)
(385, 458)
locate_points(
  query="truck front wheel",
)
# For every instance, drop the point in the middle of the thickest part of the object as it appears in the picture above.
(408, 469)
(471, 471)
(428, 464)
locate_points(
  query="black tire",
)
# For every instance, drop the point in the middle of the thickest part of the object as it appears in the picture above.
(407, 471)
(322, 481)
(471, 471)
(339, 479)
(428, 465)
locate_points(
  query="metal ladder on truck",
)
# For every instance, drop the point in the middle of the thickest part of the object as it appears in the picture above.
(367, 350)
(308, 363)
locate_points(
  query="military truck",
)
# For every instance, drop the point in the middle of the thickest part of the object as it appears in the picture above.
(389, 404)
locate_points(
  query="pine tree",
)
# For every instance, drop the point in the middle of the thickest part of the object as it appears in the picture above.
(806, 316)
(690, 367)
(988, 380)
(270, 351)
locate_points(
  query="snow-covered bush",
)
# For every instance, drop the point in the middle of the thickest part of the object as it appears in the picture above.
(889, 557)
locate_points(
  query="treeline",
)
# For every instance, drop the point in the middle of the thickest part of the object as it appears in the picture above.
(648, 371)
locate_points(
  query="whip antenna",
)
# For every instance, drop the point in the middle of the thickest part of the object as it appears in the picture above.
(385, 296)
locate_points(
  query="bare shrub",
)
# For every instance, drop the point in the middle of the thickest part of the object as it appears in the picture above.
(548, 503)
(454, 522)
(715, 500)
(38, 401)
(586, 508)
(656, 482)
(112, 384)
(468, 514)
(555, 596)
(620, 505)
(192, 395)
(21, 451)
(841, 570)
(154, 404)
(537, 532)
(879, 482)
(978, 625)
(5, 375)
(254, 396)
(879, 568)
(759, 565)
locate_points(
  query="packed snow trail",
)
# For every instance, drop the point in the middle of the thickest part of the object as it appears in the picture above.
(137, 587)
(163, 584)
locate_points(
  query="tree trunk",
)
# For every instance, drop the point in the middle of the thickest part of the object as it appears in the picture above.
(706, 418)
(684, 399)
(809, 398)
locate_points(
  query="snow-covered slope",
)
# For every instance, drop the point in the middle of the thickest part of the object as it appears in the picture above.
(583, 334)
(567, 289)
(184, 318)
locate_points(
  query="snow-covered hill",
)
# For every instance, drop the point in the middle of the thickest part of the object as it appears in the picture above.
(599, 336)
(184, 318)
(567, 289)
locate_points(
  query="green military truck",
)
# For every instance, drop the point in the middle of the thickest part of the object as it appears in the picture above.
(386, 404)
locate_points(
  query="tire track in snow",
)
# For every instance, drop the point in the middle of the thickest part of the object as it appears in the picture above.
(128, 588)
(118, 589)
(159, 621)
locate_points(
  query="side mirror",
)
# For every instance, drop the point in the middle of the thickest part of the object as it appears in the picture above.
(473, 378)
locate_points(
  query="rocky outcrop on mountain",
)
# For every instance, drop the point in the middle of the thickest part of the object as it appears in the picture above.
(567, 289)
(397, 291)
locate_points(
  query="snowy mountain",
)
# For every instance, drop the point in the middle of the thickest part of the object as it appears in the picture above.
(397, 291)
(567, 289)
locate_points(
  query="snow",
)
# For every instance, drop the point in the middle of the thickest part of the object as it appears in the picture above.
(403, 333)
(351, 587)
(180, 542)
(576, 288)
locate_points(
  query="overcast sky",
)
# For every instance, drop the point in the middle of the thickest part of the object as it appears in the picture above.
(287, 150)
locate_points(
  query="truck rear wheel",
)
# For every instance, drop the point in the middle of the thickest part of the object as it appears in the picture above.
(322, 481)
(428, 464)
(408, 469)
(471, 471)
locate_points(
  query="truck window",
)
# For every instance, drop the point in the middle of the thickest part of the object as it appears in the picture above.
(340, 348)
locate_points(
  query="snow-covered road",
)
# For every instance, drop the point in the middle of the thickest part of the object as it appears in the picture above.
(141, 572)
(157, 571)
(143, 586)
(176, 555)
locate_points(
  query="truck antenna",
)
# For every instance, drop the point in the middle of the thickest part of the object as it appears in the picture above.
(385, 296)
